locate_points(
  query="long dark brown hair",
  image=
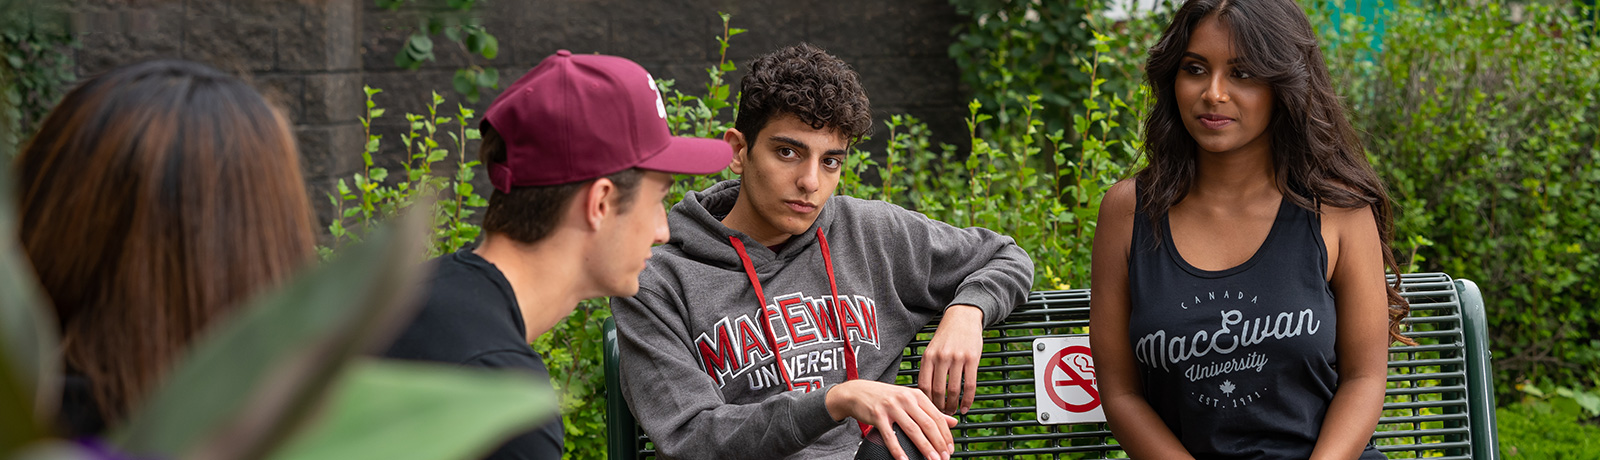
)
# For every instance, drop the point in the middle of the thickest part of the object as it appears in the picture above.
(1318, 157)
(155, 198)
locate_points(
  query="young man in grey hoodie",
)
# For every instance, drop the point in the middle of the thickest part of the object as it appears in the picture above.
(777, 311)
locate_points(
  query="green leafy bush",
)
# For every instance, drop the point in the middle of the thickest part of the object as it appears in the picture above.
(1558, 424)
(34, 72)
(372, 196)
(1486, 132)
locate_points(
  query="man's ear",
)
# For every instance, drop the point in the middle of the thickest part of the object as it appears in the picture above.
(599, 201)
(741, 149)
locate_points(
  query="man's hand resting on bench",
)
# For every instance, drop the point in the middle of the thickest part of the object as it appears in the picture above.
(880, 405)
(949, 370)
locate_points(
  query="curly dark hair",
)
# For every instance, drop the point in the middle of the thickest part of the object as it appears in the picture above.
(1318, 156)
(807, 82)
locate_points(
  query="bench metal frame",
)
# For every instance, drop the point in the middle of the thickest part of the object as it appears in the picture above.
(1440, 401)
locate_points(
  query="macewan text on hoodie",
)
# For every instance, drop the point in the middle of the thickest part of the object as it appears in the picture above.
(700, 373)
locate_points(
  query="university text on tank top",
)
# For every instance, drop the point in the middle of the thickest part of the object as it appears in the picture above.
(1239, 363)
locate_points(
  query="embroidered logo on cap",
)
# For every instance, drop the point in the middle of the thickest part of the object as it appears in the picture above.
(661, 108)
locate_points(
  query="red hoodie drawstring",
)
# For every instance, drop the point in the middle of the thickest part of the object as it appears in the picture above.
(766, 322)
(838, 322)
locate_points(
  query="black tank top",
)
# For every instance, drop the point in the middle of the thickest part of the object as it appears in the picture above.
(1239, 363)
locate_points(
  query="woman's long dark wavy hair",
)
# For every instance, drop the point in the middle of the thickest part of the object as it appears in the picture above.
(155, 198)
(1317, 154)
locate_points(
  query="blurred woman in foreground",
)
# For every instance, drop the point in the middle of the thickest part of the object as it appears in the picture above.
(154, 199)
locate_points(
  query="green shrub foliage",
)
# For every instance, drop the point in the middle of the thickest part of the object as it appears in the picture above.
(1557, 424)
(1483, 122)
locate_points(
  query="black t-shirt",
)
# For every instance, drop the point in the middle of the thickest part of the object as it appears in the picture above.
(471, 318)
(1240, 363)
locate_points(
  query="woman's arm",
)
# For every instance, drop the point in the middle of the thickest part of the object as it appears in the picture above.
(1136, 426)
(1355, 259)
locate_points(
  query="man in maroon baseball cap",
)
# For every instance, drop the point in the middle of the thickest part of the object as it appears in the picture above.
(580, 156)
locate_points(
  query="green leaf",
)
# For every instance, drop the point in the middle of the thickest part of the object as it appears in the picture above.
(247, 385)
(420, 43)
(489, 78)
(464, 81)
(460, 412)
(403, 60)
(29, 366)
(491, 46)
(473, 41)
(1590, 401)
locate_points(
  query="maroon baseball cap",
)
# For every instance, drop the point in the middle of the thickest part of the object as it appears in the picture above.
(580, 117)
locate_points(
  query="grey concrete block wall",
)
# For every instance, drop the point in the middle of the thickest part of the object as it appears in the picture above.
(303, 55)
(900, 47)
(312, 57)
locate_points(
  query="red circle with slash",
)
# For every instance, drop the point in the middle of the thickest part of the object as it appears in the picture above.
(1053, 386)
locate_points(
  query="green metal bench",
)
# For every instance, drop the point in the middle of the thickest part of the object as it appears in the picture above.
(1440, 401)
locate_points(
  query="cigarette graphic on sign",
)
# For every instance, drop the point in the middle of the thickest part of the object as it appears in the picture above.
(1065, 389)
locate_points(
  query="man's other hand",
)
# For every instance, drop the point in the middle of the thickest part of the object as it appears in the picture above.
(885, 406)
(949, 370)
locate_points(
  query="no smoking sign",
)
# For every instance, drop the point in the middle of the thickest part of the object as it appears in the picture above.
(1064, 381)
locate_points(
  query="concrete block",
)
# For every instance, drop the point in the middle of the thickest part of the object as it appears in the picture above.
(664, 30)
(329, 151)
(287, 92)
(908, 82)
(318, 36)
(229, 41)
(108, 40)
(334, 98)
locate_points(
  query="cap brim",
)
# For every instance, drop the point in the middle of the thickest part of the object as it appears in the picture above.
(691, 155)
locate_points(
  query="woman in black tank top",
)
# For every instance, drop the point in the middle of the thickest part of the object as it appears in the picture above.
(1239, 303)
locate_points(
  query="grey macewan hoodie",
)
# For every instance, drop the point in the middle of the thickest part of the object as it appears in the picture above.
(698, 369)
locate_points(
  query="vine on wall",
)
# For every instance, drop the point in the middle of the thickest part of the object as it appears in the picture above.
(35, 68)
(455, 20)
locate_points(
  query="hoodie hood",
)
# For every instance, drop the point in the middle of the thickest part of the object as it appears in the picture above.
(698, 233)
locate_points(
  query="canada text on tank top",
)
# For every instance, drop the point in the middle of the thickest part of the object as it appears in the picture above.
(812, 346)
(1256, 340)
